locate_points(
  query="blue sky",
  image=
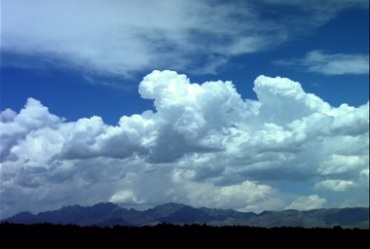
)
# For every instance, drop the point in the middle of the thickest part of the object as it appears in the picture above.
(291, 131)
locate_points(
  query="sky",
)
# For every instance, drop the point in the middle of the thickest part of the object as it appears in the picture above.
(250, 105)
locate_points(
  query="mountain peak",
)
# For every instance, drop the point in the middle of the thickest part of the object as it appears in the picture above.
(170, 205)
(166, 209)
(105, 205)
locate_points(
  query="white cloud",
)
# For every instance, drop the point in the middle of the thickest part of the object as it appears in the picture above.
(246, 196)
(125, 196)
(335, 185)
(307, 203)
(346, 116)
(343, 164)
(123, 37)
(32, 117)
(331, 64)
(120, 38)
(202, 145)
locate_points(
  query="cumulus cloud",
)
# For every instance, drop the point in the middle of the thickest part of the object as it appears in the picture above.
(331, 64)
(121, 38)
(343, 164)
(31, 118)
(244, 196)
(202, 145)
(335, 185)
(125, 196)
(307, 203)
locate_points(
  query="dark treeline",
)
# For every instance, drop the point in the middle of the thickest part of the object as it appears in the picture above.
(187, 235)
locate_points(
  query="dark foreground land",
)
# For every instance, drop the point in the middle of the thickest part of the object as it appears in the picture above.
(188, 235)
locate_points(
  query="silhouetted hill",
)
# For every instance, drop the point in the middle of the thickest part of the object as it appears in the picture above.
(346, 217)
(169, 236)
(109, 214)
(79, 215)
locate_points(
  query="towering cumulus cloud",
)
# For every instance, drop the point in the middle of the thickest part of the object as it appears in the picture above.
(202, 145)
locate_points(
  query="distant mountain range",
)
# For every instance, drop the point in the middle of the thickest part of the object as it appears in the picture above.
(109, 214)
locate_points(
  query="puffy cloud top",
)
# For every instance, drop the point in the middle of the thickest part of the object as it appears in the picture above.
(286, 99)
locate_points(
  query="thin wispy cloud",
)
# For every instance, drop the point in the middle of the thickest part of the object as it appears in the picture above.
(330, 64)
(202, 145)
(125, 37)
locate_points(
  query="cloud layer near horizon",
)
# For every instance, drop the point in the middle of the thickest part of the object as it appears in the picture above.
(202, 145)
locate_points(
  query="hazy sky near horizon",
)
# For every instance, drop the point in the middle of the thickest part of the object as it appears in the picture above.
(251, 105)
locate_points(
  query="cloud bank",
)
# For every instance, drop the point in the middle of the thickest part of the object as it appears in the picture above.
(202, 144)
(120, 38)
